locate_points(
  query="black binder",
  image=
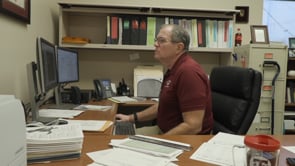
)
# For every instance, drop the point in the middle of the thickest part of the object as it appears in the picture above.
(134, 38)
(142, 31)
(126, 30)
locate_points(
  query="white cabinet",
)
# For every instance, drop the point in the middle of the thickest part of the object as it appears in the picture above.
(269, 59)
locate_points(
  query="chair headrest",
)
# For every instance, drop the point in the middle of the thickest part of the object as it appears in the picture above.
(233, 81)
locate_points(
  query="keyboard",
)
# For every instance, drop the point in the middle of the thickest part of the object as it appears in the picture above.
(124, 128)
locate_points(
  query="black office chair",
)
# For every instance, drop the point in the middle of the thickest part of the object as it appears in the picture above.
(235, 98)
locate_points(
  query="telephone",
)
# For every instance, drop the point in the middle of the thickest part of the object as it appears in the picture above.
(103, 88)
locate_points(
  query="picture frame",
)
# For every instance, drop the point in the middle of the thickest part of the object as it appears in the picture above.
(259, 34)
(243, 15)
(20, 9)
(291, 42)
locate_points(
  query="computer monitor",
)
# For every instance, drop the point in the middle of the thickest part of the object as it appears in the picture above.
(42, 76)
(67, 65)
(46, 61)
(67, 71)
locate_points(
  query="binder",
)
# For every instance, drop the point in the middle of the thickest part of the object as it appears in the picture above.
(134, 38)
(194, 36)
(159, 22)
(151, 30)
(108, 39)
(114, 29)
(142, 31)
(201, 33)
(126, 30)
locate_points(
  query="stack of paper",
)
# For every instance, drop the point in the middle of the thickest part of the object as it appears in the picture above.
(143, 153)
(57, 142)
(223, 149)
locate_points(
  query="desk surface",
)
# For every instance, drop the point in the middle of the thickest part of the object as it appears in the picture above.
(94, 141)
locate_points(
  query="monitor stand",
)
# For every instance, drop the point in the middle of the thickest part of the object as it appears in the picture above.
(58, 101)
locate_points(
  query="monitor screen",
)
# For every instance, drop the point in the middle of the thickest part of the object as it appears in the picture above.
(46, 61)
(67, 65)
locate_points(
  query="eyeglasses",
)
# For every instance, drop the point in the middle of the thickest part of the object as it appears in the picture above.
(161, 40)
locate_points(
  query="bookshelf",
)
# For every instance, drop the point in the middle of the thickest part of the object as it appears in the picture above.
(290, 103)
(89, 21)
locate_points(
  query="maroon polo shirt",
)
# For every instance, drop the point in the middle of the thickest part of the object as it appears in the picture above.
(185, 88)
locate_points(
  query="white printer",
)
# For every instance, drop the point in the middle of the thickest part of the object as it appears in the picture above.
(13, 151)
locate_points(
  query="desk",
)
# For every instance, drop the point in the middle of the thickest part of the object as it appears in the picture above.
(94, 141)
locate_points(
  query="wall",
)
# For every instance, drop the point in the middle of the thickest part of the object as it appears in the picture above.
(18, 45)
(18, 40)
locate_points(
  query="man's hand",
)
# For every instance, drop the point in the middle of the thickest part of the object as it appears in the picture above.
(122, 117)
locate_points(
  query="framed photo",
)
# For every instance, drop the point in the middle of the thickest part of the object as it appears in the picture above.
(243, 16)
(292, 42)
(259, 34)
(20, 9)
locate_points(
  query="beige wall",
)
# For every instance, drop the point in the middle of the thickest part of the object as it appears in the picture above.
(18, 43)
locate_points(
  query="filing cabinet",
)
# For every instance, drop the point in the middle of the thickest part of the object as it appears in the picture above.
(270, 60)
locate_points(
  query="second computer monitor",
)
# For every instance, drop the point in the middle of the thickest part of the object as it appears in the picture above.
(67, 65)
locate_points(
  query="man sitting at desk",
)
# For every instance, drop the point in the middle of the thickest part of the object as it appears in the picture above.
(185, 98)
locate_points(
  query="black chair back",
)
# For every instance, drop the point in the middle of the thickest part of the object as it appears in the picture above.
(235, 98)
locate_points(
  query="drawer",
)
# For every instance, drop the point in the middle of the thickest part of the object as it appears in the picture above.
(266, 95)
(260, 55)
(262, 123)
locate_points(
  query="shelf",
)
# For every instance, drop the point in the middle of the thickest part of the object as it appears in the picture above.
(291, 78)
(148, 10)
(140, 47)
(290, 104)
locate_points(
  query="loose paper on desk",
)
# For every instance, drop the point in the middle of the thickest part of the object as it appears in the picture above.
(119, 157)
(59, 113)
(92, 107)
(122, 99)
(92, 125)
(222, 149)
(290, 148)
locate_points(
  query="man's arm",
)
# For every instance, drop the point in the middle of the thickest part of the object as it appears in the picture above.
(192, 123)
(148, 114)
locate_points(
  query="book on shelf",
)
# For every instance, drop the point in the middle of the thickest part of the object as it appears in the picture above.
(290, 91)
